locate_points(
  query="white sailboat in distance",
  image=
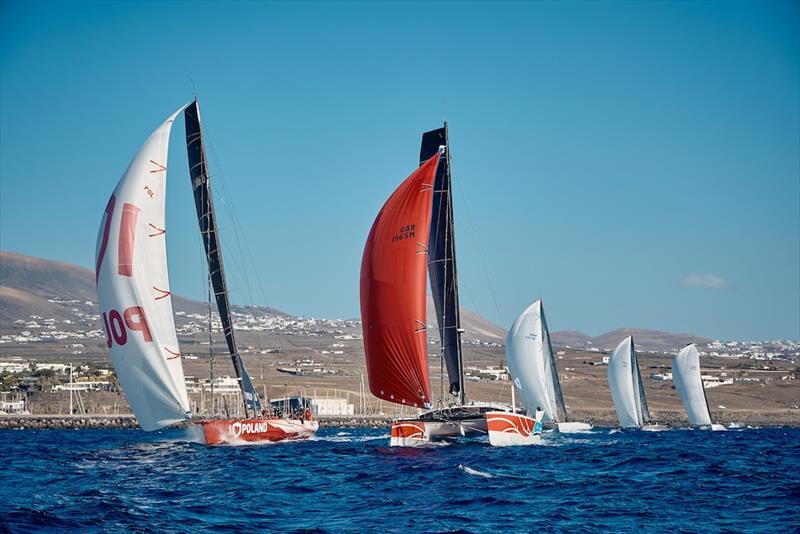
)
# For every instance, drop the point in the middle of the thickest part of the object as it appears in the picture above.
(627, 388)
(689, 384)
(532, 365)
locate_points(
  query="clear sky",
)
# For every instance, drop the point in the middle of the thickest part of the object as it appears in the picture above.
(634, 164)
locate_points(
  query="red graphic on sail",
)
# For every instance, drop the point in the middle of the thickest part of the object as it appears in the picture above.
(393, 282)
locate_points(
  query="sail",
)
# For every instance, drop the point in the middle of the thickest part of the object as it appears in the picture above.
(204, 204)
(689, 384)
(644, 411)
(393, 281)
(622, 382)
(530, 360)
(133, 292)
(442, 260)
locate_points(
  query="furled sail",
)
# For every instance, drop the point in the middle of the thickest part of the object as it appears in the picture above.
(133, 294)
(532, 364)
(204, 204)
(689, 384)
(442, 260)
(393, 280)
(625, 383)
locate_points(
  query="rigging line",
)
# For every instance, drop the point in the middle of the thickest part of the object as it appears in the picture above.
(239, 234)
(480, 253)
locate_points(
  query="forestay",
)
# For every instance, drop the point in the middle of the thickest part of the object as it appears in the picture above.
(133, 291)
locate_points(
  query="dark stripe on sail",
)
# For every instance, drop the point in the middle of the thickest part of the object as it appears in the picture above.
(638, 377)
(442, 261)
(560, 406)
(198, 173)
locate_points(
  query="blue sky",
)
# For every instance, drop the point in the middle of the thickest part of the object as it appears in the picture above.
(634, 164)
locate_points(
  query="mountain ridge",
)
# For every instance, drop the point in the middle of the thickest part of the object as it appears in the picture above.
(41, 287)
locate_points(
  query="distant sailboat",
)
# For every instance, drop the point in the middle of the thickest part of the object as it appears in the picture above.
(532, 364)
(689, 384)
(135, 301)
(627, 388)
(412, 236)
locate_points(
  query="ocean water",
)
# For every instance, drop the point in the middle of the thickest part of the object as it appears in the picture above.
(352, 481)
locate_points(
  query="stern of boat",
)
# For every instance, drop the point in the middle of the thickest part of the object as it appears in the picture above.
(506, 429)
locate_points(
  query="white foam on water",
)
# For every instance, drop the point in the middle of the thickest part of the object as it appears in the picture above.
(475, 472)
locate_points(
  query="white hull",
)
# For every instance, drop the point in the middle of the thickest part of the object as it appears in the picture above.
(573, 427)
(655, 428)
(511, 429)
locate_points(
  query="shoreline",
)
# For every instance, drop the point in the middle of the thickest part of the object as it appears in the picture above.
(600, 418)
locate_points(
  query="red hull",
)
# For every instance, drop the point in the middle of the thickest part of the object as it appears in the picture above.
(258, 430)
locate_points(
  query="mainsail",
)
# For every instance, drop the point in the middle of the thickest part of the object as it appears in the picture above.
(133, 292)
(393, 280)
(442, 260)
(198, 172)
(532, 364)
(688, 382)
(625, 382)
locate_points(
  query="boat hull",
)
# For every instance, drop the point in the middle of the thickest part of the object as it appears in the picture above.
(508, 429)
(447, 423)
(256, 430)
(574, 427)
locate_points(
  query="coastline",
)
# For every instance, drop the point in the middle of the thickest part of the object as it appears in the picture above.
(598, 418)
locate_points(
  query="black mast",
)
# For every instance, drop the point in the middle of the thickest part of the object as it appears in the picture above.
(204, 204)
(442, 261)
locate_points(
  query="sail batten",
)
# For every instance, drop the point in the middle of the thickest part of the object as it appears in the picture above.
(204, 205)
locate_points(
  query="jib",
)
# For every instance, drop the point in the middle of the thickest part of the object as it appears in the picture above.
(117, 324)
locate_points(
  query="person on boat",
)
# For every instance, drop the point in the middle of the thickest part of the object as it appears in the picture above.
(537, 426)
(308, 414)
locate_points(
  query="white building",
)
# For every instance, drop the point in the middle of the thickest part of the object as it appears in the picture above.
(331, 406)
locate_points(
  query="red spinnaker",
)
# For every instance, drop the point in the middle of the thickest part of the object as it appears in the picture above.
(393, 284)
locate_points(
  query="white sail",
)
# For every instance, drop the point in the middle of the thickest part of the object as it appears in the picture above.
(133, 293)
(531, 363)
(686, 375)
(623, 382)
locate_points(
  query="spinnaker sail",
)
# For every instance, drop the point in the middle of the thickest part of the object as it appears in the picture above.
(133, 291)
(393, 281)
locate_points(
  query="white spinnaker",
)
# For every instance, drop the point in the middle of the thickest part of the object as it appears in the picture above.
(624, 389)
(133, 289)
(525, 355)
(689, 384)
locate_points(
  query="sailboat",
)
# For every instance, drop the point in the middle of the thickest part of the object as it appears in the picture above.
(627, 388)
(689, 384)
(135, 301)
(532, 365)
(413, 236)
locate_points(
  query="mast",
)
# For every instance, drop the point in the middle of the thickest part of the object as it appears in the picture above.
(560, 406)
(644, 412)
(442, 269)
(198, 173)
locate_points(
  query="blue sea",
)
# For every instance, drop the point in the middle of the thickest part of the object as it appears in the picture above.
(352, 481)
